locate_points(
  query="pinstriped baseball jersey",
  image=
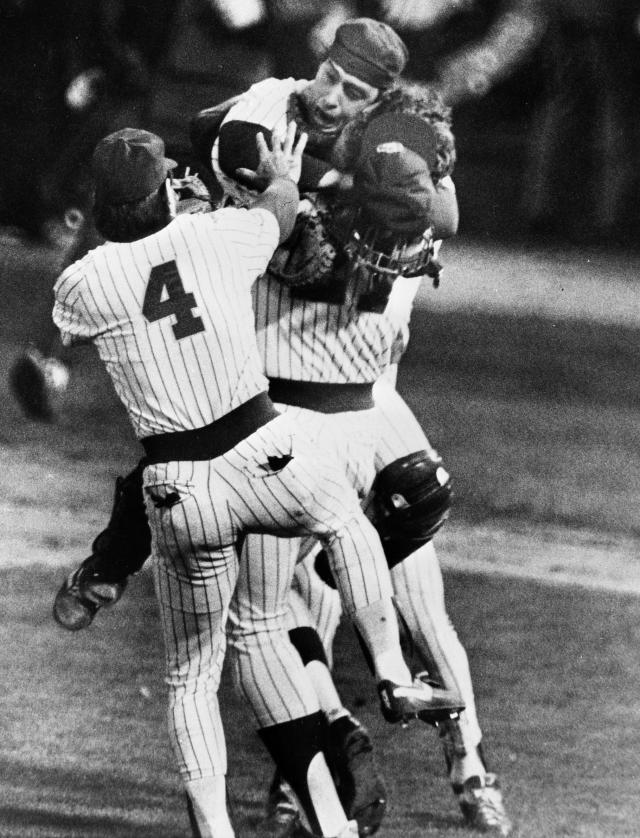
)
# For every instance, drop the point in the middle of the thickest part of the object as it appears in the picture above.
(324, 342)
(417, 580)
(302, 338)
(171, 316)
(196, 512)
(178, 303)
(264, 103)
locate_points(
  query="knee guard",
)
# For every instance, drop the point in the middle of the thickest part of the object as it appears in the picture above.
(412, 500)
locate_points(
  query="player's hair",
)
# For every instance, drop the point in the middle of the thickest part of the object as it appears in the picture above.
(129, 222)
(408, 98)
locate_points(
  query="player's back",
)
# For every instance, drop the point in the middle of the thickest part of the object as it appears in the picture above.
(171, 316)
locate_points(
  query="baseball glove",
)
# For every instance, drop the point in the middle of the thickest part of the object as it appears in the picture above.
(193, 195)
(308, 255)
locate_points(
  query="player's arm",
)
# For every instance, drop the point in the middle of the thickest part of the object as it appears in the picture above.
(445, 214)
(204, 127)
(276, 177)
(68, 309)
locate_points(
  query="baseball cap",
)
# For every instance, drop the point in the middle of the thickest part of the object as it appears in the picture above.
(128, 165)
(370, 50)
(392, 178)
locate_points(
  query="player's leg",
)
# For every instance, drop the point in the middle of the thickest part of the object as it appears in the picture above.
(297, 485)
(262, 640)
(272, 677)
(194, 577)
(320, 600)
(349, 747)
(118, 552)
(419, 594)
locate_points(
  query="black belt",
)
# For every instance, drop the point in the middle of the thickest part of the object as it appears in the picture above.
(325, 398)
(213, 440)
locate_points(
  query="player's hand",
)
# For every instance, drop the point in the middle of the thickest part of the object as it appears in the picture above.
(283, 159)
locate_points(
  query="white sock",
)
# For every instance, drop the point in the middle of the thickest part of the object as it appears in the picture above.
(209, 800)
(470, 765)
(324, 797)
(324, 687)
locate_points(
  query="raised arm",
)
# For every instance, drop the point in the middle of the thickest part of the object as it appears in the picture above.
(276, 176)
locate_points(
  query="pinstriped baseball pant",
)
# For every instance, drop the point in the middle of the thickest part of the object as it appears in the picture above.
(259, 646)
(417, 580)
(273, 481)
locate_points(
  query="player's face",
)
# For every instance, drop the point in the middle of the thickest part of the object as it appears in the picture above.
(334, 97)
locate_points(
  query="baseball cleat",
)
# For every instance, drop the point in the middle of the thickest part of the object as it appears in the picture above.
(482, 805)
(282, 819)
(37, 383)
(81, 596)
(400, 703)
(358, 781)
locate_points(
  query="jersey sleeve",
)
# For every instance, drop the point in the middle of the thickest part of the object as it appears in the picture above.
(70, 314)
(262, 109)
(252, 233)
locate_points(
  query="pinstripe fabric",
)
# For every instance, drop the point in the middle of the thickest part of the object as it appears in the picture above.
(417, 581)
(264, 103)
(310, 341)
(302, 339)
(313, 341)
(169, 384)
(259, 605)
(180, 359)
(197, 512)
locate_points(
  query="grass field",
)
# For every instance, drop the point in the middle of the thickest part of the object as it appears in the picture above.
(536, 417)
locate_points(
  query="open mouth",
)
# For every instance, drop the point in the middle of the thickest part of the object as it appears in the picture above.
(323, 121)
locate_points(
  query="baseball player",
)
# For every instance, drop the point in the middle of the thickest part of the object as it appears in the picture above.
(333, 348)
(316, 336)
(167, 303)
(405, 459)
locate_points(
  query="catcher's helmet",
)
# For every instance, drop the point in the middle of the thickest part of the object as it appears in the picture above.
(386, 232)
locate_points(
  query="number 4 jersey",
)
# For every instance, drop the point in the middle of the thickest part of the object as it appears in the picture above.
(172, 318)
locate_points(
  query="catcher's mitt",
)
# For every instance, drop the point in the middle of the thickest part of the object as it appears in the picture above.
(308, 255)
(193, 195)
